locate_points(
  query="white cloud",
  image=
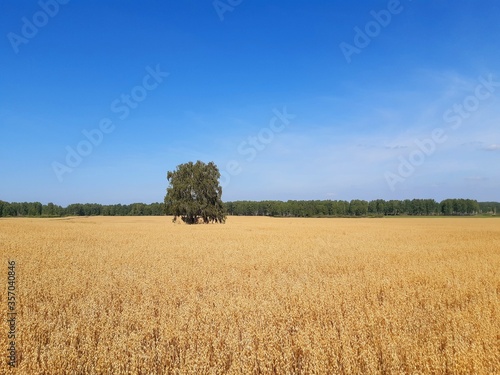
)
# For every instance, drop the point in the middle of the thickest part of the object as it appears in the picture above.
(492, 147)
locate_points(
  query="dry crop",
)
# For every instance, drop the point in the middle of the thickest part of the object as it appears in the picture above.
(140, 295)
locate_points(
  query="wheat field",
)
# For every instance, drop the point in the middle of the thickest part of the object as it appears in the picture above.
(141, 295)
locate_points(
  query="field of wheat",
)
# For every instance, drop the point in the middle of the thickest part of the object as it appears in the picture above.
(141, 295)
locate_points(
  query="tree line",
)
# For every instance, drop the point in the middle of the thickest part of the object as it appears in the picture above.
(291, 208)
(78, 209)
(356, 207)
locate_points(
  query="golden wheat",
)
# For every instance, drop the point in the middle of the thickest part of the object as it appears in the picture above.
(132, 295)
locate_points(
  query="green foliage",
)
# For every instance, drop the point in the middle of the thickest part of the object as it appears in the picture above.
(356, 207)
(20, 209)
(460, 207)
(36, 209)
(492, 208)
(316, 208)
(195, 194)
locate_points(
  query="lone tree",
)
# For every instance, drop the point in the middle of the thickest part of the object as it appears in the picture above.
(194, 193)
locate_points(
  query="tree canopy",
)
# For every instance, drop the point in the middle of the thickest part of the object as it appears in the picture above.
(313, 208)
(194, 193)
(360, 208)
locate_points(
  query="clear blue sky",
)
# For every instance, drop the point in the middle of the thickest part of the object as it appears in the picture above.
(365, 82)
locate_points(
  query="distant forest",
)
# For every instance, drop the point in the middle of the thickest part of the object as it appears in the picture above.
(291, 208)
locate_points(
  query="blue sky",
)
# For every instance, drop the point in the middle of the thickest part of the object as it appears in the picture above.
(291, 99)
